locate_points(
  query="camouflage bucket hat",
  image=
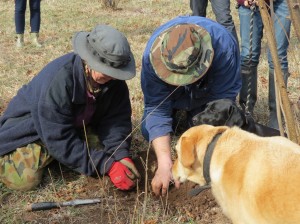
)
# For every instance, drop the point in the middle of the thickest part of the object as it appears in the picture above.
(182, 54)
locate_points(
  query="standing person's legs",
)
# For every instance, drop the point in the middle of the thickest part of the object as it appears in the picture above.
(198, 7)
(20, 9)
(35, 21)
(221, 9)
(23, 168)
(282, 26)
(249, 56)
(35, 15)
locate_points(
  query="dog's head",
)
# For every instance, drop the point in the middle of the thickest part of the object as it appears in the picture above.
(221, 112)
(226, 112)
(191, 148)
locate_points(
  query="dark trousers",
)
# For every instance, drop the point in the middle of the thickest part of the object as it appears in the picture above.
(198, 7)
(35, 15)
(221, 9)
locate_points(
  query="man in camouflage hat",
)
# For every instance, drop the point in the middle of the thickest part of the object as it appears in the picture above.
(188, 62)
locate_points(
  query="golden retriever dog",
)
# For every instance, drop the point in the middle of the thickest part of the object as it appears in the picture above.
(255, 180)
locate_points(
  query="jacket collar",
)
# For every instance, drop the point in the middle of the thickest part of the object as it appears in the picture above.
(79, 88)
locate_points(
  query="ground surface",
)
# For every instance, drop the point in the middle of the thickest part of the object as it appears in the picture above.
(123, 207)
(118, 206)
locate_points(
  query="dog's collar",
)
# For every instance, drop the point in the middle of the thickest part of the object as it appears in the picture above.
(207, 157)
(206, 166)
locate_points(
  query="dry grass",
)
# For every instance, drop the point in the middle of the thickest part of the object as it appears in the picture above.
(137, 19)
(112, 4)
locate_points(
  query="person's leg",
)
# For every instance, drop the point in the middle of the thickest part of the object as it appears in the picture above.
(273, 121)
(198, 7)
(35, 15)
(282, 26)
(23, 168)
(35, 21)
(250, 51)
(20, 8)
(221, 9)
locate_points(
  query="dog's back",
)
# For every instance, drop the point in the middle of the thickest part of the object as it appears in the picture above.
(255, 179)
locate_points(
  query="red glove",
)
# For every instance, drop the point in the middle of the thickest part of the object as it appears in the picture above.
(123, 174)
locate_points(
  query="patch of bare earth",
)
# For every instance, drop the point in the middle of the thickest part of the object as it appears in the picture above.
(126, 207)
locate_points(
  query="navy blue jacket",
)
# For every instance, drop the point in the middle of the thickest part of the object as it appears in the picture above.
(222, 80)
(46, 109)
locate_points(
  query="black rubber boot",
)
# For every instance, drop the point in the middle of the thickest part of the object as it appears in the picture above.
(273, 121)
(248, 93)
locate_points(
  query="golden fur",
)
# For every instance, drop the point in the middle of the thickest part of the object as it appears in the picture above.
(255, 180)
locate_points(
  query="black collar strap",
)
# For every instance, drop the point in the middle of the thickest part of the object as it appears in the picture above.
(207, 157)
(206, 167)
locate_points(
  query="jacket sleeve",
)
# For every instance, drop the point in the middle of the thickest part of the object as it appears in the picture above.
(113, 122)
(158, 103)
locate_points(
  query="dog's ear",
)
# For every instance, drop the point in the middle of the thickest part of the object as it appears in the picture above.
(187, 151)
(235, 116)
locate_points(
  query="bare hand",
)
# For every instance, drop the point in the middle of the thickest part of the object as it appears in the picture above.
(163, 175)
(162, 178)
(248, 3)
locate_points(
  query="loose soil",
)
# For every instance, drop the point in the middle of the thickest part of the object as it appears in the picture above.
(126, 207)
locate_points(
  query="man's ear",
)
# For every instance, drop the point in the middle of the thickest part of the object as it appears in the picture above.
(235, 117)
(187, 151)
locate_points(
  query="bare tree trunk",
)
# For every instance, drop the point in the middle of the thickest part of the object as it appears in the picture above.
(294, 7)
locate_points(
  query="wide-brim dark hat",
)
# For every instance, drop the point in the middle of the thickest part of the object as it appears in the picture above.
(182, 54)
(106, 50)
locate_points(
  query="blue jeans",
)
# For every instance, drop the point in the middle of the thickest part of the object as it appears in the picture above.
(221, 9)
(282, 27)
(35, 15)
